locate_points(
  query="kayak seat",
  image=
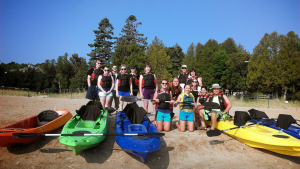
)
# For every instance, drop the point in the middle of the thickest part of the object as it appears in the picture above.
(46, 116)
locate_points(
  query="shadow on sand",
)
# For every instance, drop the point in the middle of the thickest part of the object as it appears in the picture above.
(31, 147)
(103, 151)
(290, 158)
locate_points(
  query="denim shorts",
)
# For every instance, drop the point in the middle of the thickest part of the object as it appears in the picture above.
(92, 93)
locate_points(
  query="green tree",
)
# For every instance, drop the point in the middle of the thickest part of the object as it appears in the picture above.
(237, 71)
(131, 35)
(63, 68)
(189, 58)
(229, 46)
(220, 70)
(79, 81)
(49, 73)
(159, 60)
(176, 57)
(104, 41)
(288, 62)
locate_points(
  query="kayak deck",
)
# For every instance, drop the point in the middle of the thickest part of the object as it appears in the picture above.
(80, 143)
(141, 146)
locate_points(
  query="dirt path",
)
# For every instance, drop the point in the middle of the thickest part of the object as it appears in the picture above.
(179, 149)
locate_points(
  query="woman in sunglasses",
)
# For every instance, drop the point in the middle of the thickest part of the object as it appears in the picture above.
(105, 85)
(163, 111)
(124, 84)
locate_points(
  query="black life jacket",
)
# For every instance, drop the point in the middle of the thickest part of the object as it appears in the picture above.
(203, 98)
(162, 97)
(223, 104)
(124, 80)
(182, 77)
(149, 81)
(106, 81)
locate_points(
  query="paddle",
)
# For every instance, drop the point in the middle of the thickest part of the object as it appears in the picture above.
(129, 98)
(30, 135)
(216, 132)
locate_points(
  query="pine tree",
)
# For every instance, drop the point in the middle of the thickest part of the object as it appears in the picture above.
(131, 35)
(176, 57)
(104, 41)
(189, 58)
(229, 46)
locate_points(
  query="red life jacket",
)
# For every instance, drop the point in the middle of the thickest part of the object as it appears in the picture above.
(203, 98)
(124, 80)
(94, 75)
(135, 79)
(190, 80)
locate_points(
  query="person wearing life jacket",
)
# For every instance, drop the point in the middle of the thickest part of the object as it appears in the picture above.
(222, 100)
(203, 97)
(124, 84)
(148, 86)
(114, 98)
(183, 76)
(105, 85)
(135, 80)
(193, 77)
(175, 89)
(92, 78)
(194, 88)
(186, 109)
(163, 111)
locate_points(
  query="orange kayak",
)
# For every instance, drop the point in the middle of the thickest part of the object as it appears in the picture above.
(45, 122)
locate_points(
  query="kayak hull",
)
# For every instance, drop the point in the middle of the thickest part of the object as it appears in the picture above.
(80, 143)
(28, 125)
(263, 137)
(140, 146)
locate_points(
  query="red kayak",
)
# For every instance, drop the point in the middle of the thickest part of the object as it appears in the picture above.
(45, 122)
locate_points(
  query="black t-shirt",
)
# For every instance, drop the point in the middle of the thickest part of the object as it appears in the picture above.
(94, 73)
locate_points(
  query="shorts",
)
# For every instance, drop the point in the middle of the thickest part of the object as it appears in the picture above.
(148, 93)
(186, 116)
(207, 115)
(123, 93)
(92, 93)
(163, 116)
(135, 92)
(101, 94)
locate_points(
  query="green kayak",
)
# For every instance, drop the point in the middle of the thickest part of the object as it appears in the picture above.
(90, 119)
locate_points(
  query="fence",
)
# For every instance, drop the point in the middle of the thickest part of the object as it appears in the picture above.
(49, 92)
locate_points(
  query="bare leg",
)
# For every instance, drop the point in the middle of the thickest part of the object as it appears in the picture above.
(159, 125)
(102, 100)
(181, 127)
(167, 126)
(108, 98)
(121, 103)
(213, 119)
(201, 116)
(146, 106)
(191, 126)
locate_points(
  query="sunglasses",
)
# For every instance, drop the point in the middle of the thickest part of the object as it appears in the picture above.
(123, 69)
(98, 62)
(183, 68)
(164, 83)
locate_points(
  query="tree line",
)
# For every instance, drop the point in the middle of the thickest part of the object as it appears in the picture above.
(272, 68)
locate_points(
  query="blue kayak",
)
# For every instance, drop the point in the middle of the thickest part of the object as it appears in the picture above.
(292, 130)
(141, 146)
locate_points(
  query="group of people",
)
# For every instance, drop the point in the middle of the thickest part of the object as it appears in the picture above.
(185, 91)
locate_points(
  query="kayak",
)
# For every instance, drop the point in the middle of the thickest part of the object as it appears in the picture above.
(292, 130)
(44, 122)
(79, 124)
(263, 137)
(141, 146)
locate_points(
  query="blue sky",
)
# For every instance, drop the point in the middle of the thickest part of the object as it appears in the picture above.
(35, 30)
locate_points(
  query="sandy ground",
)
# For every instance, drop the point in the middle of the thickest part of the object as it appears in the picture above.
(179, 149)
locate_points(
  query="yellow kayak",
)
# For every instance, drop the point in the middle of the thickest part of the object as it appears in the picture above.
(259, 136)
